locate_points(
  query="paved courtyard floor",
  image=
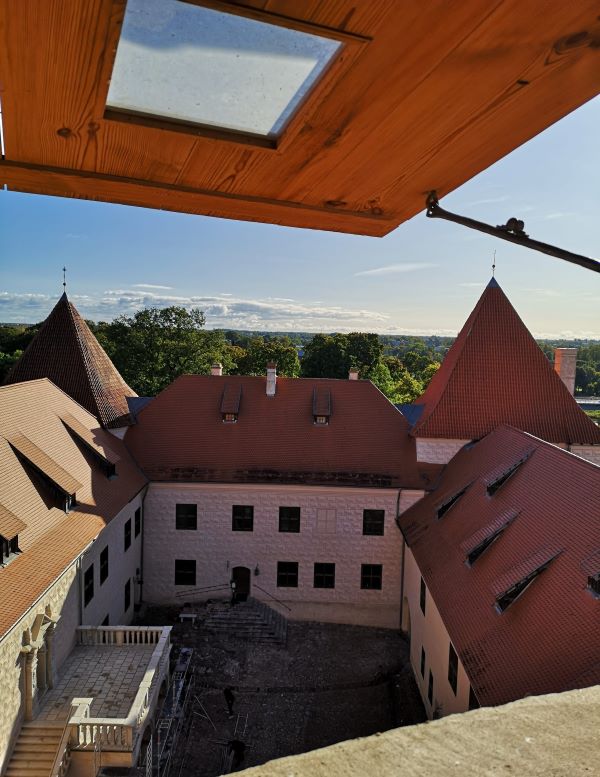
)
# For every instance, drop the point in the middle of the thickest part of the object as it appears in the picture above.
(327, 684)
(109, 674)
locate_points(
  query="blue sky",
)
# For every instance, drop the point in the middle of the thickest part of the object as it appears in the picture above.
(423, 278)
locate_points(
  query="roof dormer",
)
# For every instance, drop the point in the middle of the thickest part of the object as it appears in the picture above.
(230, 403)
(321, 406)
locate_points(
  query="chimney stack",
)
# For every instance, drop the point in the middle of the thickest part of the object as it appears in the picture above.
(216, 369)
(565, 365)
(353, 374)
(271, 379)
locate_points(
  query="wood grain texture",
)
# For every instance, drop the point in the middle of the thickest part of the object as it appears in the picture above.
(442, 91)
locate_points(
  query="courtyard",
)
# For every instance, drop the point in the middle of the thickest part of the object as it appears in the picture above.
(322, 684)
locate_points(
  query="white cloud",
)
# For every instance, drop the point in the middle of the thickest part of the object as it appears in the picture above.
(150, 286)
(486, 201)
(561, 214)
(472, 285)
(390, 269)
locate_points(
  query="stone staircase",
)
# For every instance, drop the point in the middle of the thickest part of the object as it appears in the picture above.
(252, 621)
(35, 750)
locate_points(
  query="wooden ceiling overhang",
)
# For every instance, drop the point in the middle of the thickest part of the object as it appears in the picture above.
(425, 94)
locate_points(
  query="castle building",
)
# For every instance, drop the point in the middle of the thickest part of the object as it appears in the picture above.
(466, 519)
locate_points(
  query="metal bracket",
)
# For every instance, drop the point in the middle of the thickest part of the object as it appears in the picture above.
(513, 231)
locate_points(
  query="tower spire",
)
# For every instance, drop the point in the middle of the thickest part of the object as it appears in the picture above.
(494, 265)
(64, 280)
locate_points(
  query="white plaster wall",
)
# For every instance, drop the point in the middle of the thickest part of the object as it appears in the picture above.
(589, 452)
(428, 631)
(437, 451)
(217, 549)
(63, 598)
(109, 598)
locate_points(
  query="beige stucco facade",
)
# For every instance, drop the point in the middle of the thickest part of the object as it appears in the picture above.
(428, 633)
(34, 649)
(331, 531)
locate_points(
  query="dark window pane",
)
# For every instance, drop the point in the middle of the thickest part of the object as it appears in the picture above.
(423, 596)
(106, 621)
(242, 518)
(127, 595)
(186, 517)
(430, 688)
(185, 572)
(88, 585)
(453, 669)
(423, 663)
(373, 522)
(324, 576)
(473, 703)
(370, 576)
(289, 519)
(127, 534)
(138, 521)
(104, 565)
(287, 574)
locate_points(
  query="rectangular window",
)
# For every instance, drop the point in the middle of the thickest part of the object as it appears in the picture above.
(104, 565)
(287, 574)
(430, 688)
(423, 659)
(127, 534)
(138, 522)
(324, 576)
(423, 596)
(242, 518)
(127, 595)
(370, 576)
(185, 571)
(289, 519)
(326, 521)
(453, 668)
(186, 517)
(373, 521)
(88, 585)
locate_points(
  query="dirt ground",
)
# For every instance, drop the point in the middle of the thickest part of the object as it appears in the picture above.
(329, 683)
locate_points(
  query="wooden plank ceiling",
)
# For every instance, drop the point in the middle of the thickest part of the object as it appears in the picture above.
(436, 93)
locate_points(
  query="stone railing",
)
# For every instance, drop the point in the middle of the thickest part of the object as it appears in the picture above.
(121, 734)
(61, 764)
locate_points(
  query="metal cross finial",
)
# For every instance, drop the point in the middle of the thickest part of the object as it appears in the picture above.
(494, 266)
(65, 279)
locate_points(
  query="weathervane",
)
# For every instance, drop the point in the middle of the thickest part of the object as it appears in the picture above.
(494, 265)
(65, 280)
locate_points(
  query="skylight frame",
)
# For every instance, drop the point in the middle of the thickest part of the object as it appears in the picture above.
(515, 591)
(352, 46)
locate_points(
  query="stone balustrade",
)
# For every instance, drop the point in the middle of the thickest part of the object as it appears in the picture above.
(120, 734)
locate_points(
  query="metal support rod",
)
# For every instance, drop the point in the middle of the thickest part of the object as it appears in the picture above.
(511, 231)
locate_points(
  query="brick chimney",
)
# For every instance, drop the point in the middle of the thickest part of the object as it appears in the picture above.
(353, 375)
(271, 379)
(216, 369)
(565, 365)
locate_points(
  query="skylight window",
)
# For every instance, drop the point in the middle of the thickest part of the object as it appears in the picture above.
(198, 66)
(487, 539)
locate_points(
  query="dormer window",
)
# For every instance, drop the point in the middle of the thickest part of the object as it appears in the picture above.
(517, 589)
(8, 548)
(101, 454)
(321, 406)
(450, 502)
(230, 403)
(594, 584)
(54, 484)
(497, 481)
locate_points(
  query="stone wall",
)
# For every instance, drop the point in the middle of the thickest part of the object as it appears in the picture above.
(217, 549)
(437, 451)
(589, 452)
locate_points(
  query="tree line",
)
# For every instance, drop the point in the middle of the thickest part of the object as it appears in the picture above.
(155, 345)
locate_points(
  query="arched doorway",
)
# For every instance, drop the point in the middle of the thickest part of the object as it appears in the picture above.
(241, 577)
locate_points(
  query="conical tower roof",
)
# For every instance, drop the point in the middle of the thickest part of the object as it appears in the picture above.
(65, 351)
(495, 373)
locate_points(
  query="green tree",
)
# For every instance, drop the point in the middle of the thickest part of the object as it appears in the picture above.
(152, 347)
(325, 356)
(276, 349)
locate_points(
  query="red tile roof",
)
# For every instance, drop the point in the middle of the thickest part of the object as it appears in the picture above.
(495, 373)
(180, 435)
(66, 352)
(49, 539)
(548, 639)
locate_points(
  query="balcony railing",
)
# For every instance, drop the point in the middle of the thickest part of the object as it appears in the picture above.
(86, 733)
